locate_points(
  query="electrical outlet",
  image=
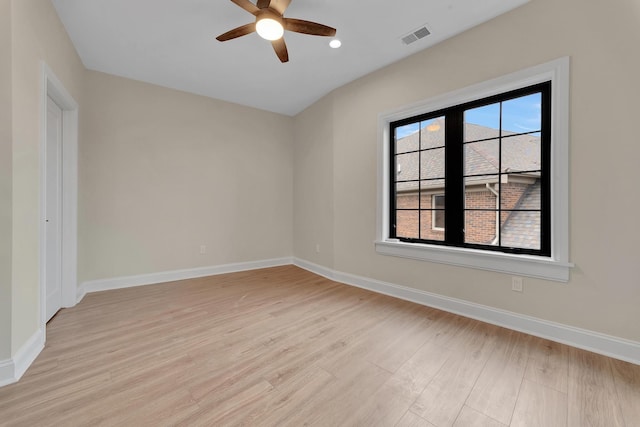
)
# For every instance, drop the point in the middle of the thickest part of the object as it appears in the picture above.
(516, 284)
(317, 247)
(203, 249)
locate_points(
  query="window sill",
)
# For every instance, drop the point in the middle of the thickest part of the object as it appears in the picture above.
(522, 265)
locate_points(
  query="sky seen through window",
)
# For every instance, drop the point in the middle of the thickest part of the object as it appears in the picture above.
(519, 115)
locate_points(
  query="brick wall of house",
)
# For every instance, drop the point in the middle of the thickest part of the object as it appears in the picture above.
(480, 225)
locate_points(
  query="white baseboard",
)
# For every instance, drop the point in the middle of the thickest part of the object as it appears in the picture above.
(607, 345)
(7, 372)
(170, 276)
(13, 369)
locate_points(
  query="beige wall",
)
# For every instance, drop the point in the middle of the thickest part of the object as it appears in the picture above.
(602, 42)
(163, 172)
(37, 34)
(5, 179)
(313, 183)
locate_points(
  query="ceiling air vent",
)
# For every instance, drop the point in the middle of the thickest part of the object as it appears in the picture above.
(416, 35)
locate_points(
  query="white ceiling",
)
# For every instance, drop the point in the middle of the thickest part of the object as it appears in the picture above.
(172, 43)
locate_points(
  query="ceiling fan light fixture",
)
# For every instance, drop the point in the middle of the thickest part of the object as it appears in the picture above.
(269, 28)
(270, 24)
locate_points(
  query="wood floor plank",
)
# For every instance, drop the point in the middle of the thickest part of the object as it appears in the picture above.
(220, 412)
(53, 402)
(539, 406)
(548, 364)
(627, 382)
(418, 371)
(288, 399)
(412, 420)
(469, 417)
(443, 398)
(362, 343)
(335, 404)
(496, 391)
(284, 347)
(385, 407)
(592, 397)
(409, 337)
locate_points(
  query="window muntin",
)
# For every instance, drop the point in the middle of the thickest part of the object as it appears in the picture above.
(491, 157)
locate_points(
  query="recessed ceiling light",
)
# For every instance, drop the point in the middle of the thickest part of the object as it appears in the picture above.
(335, 43)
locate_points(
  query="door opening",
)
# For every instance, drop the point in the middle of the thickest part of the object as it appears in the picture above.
(58, 229)
(53, 210)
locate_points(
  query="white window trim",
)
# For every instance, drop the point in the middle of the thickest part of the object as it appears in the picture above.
(433, 212)
(556, 267)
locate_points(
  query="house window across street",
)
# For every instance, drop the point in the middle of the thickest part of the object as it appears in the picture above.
(437, 203)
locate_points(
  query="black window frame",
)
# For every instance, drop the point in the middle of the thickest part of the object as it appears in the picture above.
(454, 190)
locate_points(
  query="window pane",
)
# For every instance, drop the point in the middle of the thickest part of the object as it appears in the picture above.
(481, 157)
(432, 133)
(521, 195)
(482, 122)
(480, 227)
(428, 188)
(403, 187)
(426, 193)
(427, 232)
(407, 138)
(407, 166)
(521, 153)
(521, 230)
(480, 192)
(407, 224)
(522, 114)
(407, 195)
(432, 164)
(481, 198)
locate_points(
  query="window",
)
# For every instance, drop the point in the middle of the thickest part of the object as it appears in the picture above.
(437, 217)
(497, 153)
(491, 158)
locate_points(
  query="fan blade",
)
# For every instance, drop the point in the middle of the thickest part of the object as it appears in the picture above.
(263, 4)
(280, 5)
(281, 49)
(237, 32)
(308, 27)
(247, 5)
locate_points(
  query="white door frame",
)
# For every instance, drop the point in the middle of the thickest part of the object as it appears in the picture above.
(53, 88)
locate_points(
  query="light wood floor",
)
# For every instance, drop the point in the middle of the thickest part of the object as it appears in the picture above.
(284, 347)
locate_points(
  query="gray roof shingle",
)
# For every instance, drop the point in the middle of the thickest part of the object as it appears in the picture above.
(522, 228)
(519, 153)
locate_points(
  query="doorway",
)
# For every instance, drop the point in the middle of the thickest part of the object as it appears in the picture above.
(58, 198)
(53, 210)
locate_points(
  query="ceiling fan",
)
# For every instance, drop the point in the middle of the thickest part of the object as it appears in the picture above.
(270, 24)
